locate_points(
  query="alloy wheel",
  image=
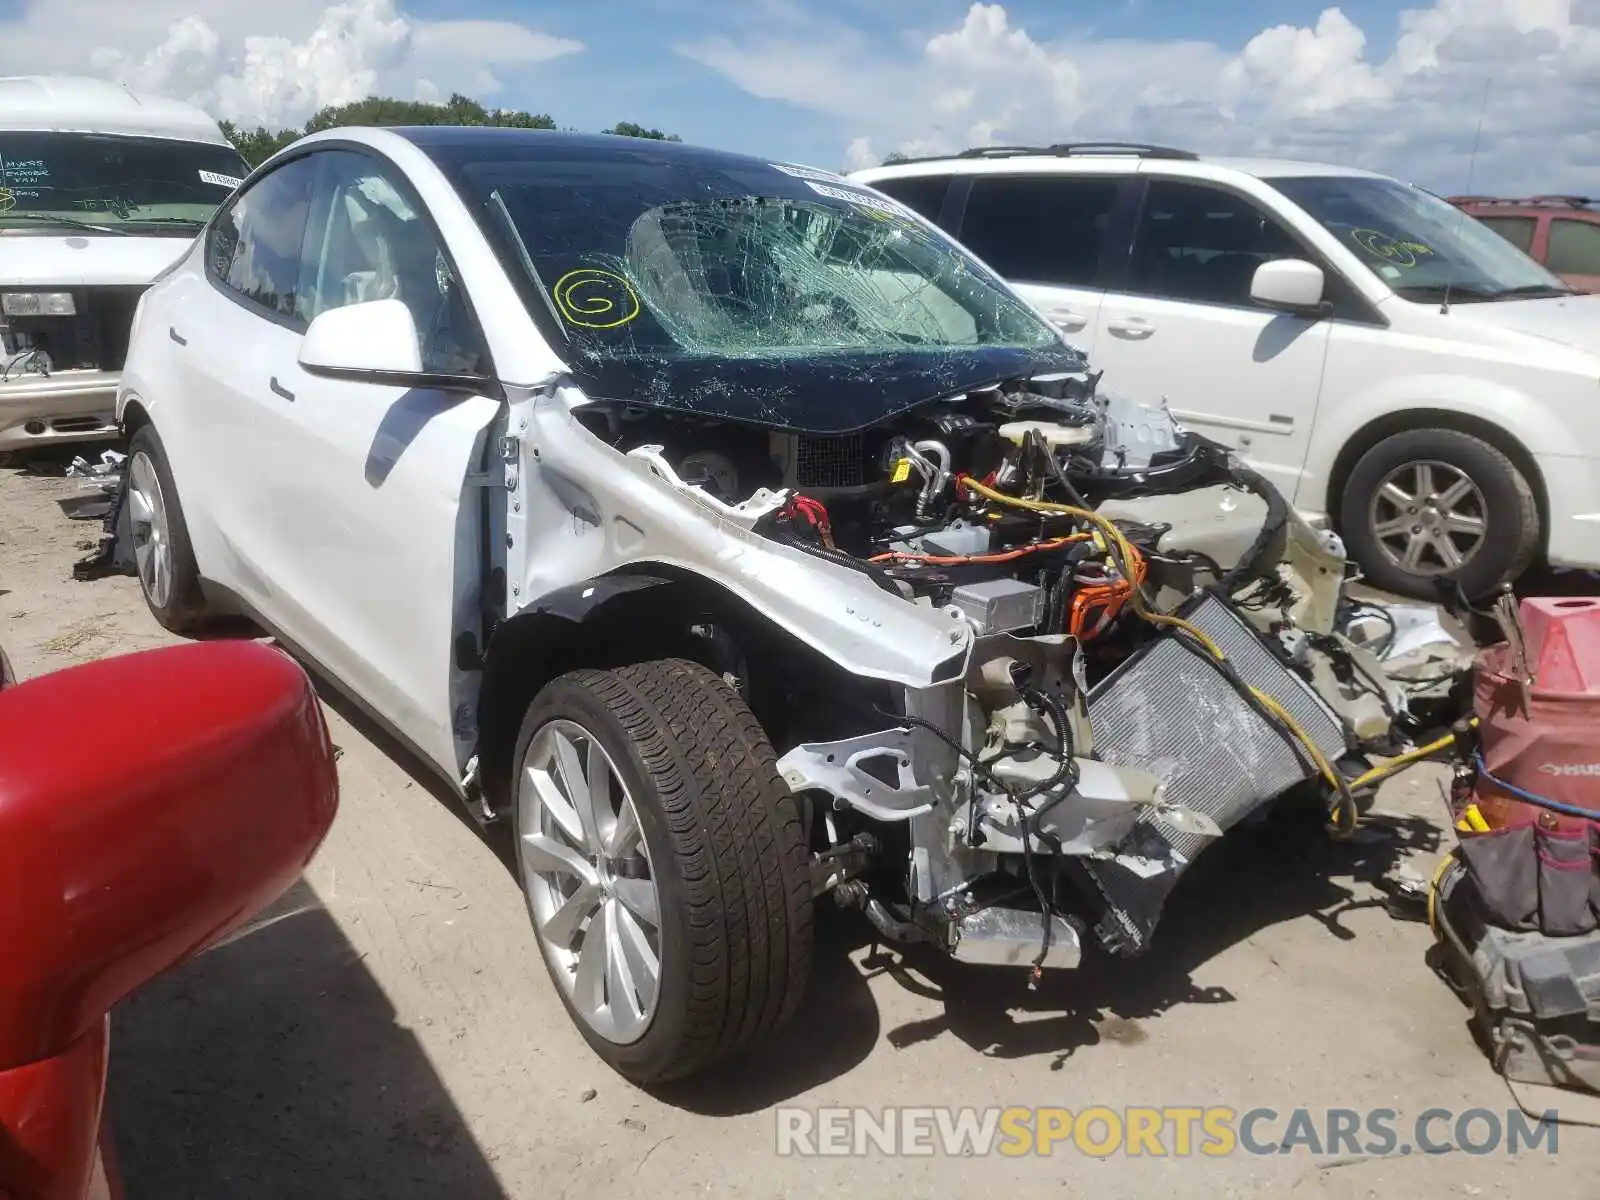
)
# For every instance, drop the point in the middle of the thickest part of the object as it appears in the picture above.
(1429, 518)
(589, 881)
(152, 547)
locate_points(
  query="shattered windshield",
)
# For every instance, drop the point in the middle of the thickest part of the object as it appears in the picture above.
(732, 286)
(1416, 243)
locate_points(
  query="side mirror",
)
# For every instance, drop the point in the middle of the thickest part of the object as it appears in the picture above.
(1289, 285)
(376, 342)
(377, 337)
(209, 785)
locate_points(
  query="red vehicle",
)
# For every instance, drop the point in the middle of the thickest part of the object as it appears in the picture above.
(1562, 232)
(211, 785)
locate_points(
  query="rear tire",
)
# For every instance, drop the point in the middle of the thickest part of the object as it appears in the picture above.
(717, 846)
(168, 576)
(1434, 504)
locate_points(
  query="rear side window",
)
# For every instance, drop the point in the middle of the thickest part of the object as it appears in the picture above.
(922, 194)
(1574, 247)
(1516, 230)
(1039, 228)
(253, 249)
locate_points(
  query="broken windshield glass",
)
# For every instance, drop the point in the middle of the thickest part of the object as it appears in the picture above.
(727, 286)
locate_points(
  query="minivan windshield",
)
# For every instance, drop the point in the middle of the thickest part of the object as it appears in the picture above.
(1418, 244)
(80, 181)
(771, 292)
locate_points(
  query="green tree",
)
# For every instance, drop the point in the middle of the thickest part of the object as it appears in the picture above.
(895, 156)
(458, 110)
(260, 144)
(629, 129)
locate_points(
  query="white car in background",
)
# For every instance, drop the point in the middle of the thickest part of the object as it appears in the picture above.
(1387, 361)
(101, 189)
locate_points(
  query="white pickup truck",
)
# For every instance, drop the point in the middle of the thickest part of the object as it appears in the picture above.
(739, 540)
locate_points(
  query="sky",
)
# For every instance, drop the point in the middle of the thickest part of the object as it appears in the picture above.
(1491, 95)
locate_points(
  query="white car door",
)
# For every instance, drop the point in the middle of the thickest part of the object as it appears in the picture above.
(216, 318)
(374, 532)
(1046, 234)
(1181, 328)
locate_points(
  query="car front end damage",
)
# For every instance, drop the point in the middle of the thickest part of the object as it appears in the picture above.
(1024, 651)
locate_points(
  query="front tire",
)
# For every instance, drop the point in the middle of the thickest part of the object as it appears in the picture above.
(663, 864)
(1434, 504)
(168, 576)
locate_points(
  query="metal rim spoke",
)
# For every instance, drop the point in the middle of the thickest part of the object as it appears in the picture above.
(638, 896)
(562, 925)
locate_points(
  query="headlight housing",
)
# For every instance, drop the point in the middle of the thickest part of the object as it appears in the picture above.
(38, 304)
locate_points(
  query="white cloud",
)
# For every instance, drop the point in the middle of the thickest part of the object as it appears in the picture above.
(1528, 69)
(273, 66)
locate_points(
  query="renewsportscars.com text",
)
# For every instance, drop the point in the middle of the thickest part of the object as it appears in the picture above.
(1160, 1132)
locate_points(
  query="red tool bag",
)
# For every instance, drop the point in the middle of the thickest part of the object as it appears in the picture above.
(1537, 779)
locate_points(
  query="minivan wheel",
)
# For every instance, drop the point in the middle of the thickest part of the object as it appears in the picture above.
(663, 865)
(168, 576)
(1434, 504)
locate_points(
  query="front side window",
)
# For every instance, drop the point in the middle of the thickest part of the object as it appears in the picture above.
(1421, 246)
(253, 249)
(1039, 228)
(368, 239)
(1516, 230)
(1574, 247)
(1202, 244)
(150, 186)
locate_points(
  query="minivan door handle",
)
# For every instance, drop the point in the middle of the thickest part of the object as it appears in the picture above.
(173, 333)
(1134, 328)
(1066, 320)
(280, 390)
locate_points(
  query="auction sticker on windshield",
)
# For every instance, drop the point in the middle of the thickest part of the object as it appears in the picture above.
(877, 203)
(807, 173)
(227, 181)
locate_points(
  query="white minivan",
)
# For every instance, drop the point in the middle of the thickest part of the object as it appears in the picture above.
(100, 190)
(1388, 362)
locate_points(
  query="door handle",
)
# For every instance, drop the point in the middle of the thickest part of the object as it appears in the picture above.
(176, 336)
(1133, 329)
(280, 390)
(1066, 320)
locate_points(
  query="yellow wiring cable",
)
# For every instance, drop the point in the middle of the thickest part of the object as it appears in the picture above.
(1380, 773)
(1345, 817)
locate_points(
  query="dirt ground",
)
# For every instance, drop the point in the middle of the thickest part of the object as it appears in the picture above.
(389, 1031)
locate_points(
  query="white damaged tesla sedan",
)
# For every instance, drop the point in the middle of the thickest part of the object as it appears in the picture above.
(737, 539)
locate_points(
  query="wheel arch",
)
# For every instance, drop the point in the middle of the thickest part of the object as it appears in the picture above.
(650, 612)
(1369, 435)
(134, 416)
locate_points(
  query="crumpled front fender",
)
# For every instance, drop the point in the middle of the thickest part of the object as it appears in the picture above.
(588, 510)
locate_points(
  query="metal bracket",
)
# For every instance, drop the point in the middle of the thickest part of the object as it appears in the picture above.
(836, 768)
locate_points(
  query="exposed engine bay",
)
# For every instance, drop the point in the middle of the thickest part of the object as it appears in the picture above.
(1161, 647)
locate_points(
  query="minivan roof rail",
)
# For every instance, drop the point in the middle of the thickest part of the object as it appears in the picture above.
(1068, 149)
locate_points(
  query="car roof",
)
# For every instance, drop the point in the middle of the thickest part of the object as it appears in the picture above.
(1098, 162)
(464, 142)
(75, 104)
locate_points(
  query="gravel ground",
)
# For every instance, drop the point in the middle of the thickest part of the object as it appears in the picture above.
(388, 1029)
